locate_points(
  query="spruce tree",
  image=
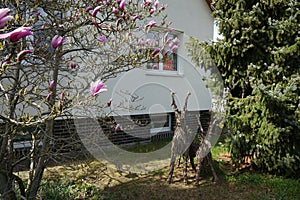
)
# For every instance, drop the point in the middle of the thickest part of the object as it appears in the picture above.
(258, 57)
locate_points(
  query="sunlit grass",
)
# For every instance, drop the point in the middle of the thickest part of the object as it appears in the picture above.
(147, 147)
(96, 181)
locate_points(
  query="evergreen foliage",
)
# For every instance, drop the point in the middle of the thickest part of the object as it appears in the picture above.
(258, 57)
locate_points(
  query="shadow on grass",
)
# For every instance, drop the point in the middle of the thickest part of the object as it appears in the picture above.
(154, 186)
(96, 181)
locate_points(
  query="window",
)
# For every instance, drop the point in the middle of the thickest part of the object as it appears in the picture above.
(165, 60)
(160, 123)
(156, 122)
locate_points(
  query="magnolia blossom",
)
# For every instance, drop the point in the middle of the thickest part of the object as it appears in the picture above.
(147, 2)
(151, 24)
(167, 52)
(114, 10)
(48, 96)
(17, 34)
(51, 85)
(174, 44)
(156, 51)
(152, 10)
(97, 87)
(62, 95)
(95, 11)
(73, 65)
(57, 41)
(87, 9)
(38, 13)
(122, 5)
(134, 18)
(109, 102)
(174, 48)
(156, 3)
(102, 38)
(3, 16)
(154, 66)
(163, 7)
(22, 54)
(4, 12)
(117, 127)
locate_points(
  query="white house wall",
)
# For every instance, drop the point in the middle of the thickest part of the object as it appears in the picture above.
(193, 17)
(150, 89)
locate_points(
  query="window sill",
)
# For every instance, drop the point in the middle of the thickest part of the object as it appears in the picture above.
(163, 73)
(158, 130)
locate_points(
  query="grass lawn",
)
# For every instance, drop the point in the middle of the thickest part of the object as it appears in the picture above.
(94, 180)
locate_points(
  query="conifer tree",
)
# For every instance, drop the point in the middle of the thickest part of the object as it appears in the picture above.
(258, 57)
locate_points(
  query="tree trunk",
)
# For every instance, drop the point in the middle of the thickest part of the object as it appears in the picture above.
(7, 176)
(38, 170)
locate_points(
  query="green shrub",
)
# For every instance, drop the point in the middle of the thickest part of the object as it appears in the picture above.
(68, 189)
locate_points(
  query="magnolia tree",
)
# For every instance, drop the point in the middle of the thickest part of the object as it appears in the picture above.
(43, 46)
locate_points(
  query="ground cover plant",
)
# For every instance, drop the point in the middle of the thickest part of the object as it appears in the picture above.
(93, 180)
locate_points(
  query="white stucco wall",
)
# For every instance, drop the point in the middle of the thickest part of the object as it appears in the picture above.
(193, 17)
(152, 88)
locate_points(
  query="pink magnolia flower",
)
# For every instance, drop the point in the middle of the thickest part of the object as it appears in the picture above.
(97, 87)
(3, 16)
(174, 48)
(175, 41)
(62, 95)
(151, 24)
(22, 54)
(115, 11)
(109, 102)
(156, 3)
(51, 85)
(4, 12)
(167, 52)
(152, 10)
(147, 2)
(117, 127)
(155, 66)
(102, 38)
(73, 65)
(95, 11)
(122, 5)
(17, 34)
(155, 51)
(57, 41)
(48, 96)
(134, 18)
(38, 13)
(165, 38)
(87, 9)
(174, 44)
(163, 7)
